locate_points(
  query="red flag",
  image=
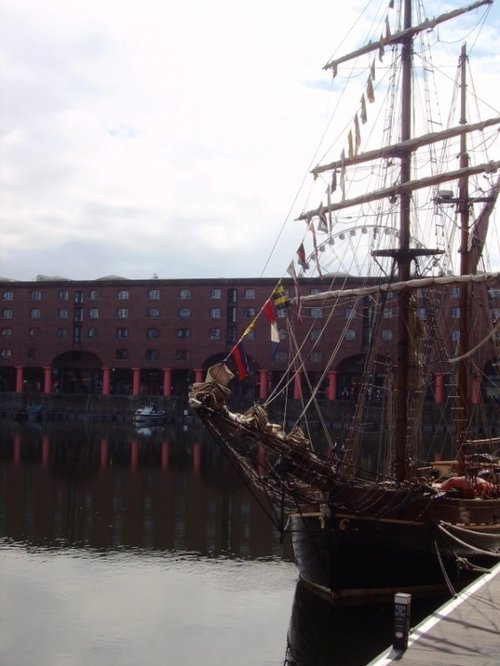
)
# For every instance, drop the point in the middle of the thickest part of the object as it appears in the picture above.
(270, 313)
(241, 361)
(301, 253)
(269, 310)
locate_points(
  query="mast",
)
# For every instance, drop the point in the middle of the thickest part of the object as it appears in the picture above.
(464, 207)
(404, 254)
(403, 257)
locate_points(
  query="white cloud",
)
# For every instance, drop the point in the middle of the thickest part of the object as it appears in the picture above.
(158, 137)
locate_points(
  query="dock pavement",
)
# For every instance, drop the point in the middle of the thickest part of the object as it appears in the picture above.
(463, 632)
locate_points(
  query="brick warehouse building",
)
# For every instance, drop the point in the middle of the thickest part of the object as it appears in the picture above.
(115, 336)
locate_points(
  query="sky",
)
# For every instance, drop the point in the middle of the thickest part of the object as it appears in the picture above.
(160, 138)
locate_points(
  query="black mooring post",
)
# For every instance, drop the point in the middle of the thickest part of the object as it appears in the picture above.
(402, 612)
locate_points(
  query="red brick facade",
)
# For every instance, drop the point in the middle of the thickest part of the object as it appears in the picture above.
(152, 336)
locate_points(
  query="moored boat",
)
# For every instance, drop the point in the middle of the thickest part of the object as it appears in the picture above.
(149, 415)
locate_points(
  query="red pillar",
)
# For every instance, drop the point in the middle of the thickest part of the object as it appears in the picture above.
(297, 387)
(47, 379)
(105, 381)
(439, 388)
(45, 450)
(134, 453)
(332, 385)
(136, 381)
(262, 384)
(198, 375)
(196, 458)
(19, 378)
(104, 452)
(17, 448)
(165, 452)
(167, 382)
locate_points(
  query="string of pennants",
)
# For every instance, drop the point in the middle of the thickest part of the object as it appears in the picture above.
(324, 223)
(361, 115)
(279, 301)
(354, 134)
(275, 306)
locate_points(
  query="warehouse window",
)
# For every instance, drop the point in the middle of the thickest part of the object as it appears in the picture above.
(153, 333)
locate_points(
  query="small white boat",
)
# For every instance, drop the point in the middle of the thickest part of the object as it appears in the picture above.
(149, 415)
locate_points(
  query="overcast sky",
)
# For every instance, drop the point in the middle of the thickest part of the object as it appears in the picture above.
(158, 137)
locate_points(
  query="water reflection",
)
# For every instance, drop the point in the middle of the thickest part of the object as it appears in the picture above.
(102, 487)
(320, 634)
(122, 546)
(155, 527)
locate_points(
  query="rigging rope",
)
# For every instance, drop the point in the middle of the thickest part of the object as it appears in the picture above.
(495, 328)
(444, 572)
(479, 551)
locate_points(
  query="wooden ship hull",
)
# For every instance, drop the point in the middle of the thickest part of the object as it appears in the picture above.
(355, 539)
(348, 558)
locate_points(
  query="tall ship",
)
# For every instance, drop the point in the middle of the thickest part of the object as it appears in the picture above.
(405, 212)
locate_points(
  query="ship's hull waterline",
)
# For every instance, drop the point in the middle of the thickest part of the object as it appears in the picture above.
(347, 559)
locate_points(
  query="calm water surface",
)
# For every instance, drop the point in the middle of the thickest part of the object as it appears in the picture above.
(132, 608)
(129, 547)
